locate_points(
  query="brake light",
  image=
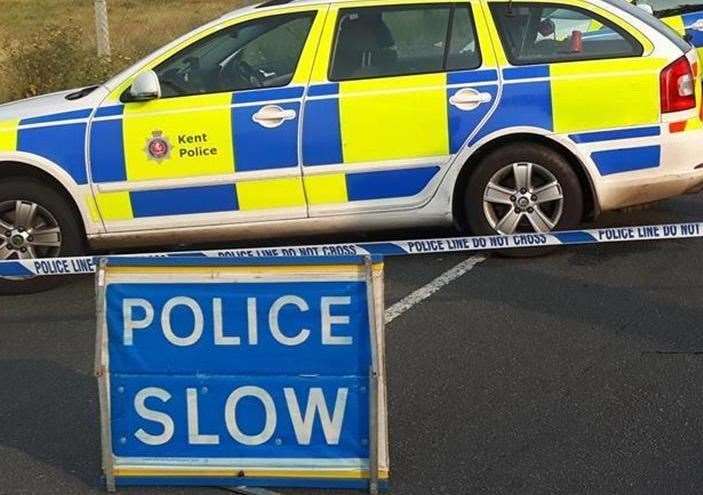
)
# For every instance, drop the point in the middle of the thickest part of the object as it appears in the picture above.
(676, 86)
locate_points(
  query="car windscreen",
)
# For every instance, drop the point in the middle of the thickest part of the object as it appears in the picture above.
(652, 22)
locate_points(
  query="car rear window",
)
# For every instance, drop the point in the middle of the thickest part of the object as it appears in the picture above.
(652, 22)
(534, 33)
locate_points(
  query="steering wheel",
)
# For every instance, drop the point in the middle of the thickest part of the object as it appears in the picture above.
(241, 71)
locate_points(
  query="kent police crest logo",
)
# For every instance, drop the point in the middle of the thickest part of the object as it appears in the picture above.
(158, 147)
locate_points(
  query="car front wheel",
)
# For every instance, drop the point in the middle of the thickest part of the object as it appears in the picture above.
(35, 222)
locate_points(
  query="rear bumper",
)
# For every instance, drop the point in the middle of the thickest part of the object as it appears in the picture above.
(680, 172)
(637, 192)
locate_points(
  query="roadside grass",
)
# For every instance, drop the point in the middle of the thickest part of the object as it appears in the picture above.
(49, 45)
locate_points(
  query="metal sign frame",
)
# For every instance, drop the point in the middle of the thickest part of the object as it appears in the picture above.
(370, 271)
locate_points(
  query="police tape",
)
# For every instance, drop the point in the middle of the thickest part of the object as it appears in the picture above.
(87, 264)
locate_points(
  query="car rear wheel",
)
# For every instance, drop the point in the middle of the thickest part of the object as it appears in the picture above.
(523, 188)
(35, 222)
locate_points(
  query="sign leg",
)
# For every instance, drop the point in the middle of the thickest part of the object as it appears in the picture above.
(373, 381)
(373, 432)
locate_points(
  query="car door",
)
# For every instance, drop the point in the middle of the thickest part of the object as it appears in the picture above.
(220, 145)
(396, 91)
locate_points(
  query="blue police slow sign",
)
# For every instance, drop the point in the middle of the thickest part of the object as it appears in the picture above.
(257, 372)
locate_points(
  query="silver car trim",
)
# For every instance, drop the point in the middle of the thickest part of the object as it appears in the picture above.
(268, 229)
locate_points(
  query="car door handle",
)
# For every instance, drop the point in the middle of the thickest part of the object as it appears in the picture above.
(467, 99)
(272, 116)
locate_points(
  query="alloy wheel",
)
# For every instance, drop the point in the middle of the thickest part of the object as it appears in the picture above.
(523, 197)
(27, 230)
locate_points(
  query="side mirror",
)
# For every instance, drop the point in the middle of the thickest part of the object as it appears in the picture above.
(646, 7)
(145, 87)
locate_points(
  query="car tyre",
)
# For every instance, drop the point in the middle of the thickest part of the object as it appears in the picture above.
(51, 212)
(522, 188)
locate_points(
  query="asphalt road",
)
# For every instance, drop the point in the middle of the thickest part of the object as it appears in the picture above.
(577, 372)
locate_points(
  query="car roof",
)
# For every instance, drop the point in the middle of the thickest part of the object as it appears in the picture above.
(273, 4)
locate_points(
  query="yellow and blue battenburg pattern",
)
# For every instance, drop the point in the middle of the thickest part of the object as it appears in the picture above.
(386, 138)
(385, 121)
(209, 135)
(576, 98)
(58, 137)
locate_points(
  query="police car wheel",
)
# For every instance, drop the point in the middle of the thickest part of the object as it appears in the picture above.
(523, 188)
(35, 222)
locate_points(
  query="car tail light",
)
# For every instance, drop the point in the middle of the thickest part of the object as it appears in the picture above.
(676, 86)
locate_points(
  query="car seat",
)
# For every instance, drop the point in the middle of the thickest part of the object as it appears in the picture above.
(365, 47)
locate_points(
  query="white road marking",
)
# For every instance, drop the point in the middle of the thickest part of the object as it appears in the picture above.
(243, 490)
(426, 291)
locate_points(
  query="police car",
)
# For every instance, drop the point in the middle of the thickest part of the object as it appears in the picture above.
(310, 116)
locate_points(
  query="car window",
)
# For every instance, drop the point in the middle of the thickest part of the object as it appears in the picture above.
(652, 22)
(463, 47)
(401, 40)
(262, 53)
(546, 33)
